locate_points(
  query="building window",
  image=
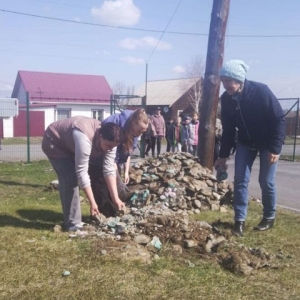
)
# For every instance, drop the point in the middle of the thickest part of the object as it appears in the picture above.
(62, 114)
(98, 114)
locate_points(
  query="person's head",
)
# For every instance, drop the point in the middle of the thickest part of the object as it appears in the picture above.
(187, 120)
(233, 75)
(138, 124)
(177, 120)
(157, 111)
(110, 136)
(195, 116)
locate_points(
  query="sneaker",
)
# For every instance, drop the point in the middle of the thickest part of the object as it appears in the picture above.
(264, 224)
(79, 226)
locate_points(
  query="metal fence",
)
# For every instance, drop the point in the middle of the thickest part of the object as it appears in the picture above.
(291, 147)
(25, 148)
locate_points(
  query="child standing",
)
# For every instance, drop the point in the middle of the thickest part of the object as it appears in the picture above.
(175, 136)
(193, 140)
(185, 136)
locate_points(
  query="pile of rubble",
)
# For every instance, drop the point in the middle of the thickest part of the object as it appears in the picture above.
(179, 182)
(165, 192)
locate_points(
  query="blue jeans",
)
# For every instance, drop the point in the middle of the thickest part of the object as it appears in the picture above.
(244, 159)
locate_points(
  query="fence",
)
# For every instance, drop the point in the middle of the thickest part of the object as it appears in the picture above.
(291, 147)
(29, 126)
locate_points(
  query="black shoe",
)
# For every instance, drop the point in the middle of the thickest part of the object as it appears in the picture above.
(238, 228)
(264, 224)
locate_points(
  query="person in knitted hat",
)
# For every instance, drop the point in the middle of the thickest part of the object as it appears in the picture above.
(252, 109)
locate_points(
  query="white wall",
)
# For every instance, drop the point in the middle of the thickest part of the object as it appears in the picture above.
(21, 94)
(85, 109)
(8, 127)
(76, 110)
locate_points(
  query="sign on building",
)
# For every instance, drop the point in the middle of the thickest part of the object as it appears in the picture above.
(9, 107)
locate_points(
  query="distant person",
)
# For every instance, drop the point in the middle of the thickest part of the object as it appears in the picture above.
(218, 136)
(168, 134)
(185, 134)
(193, 134)
(148, 134)
(159, 127)
(70, 145)
(175, 135)
(253, 109)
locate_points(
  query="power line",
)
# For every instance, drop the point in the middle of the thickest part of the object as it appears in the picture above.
(286, 88)
(165, 29)
(149, 30)
(98, 25)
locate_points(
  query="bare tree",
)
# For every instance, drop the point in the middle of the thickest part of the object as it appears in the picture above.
(194, 71)
(123, 93)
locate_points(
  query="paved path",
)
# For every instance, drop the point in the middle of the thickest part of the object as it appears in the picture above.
(287, 183)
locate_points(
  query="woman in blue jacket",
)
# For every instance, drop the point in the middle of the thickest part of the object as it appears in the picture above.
(134, 124)
(253, 109)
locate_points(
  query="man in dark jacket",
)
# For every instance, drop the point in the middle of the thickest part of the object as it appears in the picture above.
(169, 126)
(253, 109)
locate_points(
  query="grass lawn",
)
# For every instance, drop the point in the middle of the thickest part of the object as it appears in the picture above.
(33, 257)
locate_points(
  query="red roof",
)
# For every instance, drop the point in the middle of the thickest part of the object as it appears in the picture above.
(60, 87)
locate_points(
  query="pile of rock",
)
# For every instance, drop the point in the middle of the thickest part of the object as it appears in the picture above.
(179, 181)
(165, 191)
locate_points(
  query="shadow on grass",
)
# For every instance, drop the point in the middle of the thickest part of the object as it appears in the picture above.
(21, 184)
(32, 219)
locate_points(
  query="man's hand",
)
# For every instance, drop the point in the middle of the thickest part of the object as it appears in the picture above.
(221, 162)
(272, 158)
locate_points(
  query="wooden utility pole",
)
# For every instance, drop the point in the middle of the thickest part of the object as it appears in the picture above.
(211, 83)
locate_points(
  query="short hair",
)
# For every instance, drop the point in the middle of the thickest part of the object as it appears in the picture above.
(112, 132)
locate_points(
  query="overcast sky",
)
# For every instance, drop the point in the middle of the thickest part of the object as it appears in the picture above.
(116, 38)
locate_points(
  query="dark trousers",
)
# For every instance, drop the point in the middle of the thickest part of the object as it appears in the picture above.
(155, 140)
(169, 145)
(148, 143)
(217, 149)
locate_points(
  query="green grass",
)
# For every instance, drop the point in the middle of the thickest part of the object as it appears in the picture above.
(33, 257)
(21, 141)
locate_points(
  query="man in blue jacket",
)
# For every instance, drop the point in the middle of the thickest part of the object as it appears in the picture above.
(253, 109)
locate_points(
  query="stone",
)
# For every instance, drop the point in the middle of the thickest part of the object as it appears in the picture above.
(142, 239)
(103, 252)
(190, 243)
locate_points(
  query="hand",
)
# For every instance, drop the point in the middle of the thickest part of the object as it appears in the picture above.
(221, 162)
(94, 211)
(119, 204)
(126, 178)
(272, 158)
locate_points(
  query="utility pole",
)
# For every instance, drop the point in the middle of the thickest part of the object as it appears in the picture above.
(211, 83)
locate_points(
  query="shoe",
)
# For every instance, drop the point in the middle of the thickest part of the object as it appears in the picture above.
(146, 154)
(77, 227)
(264, 224)
(238, 228)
